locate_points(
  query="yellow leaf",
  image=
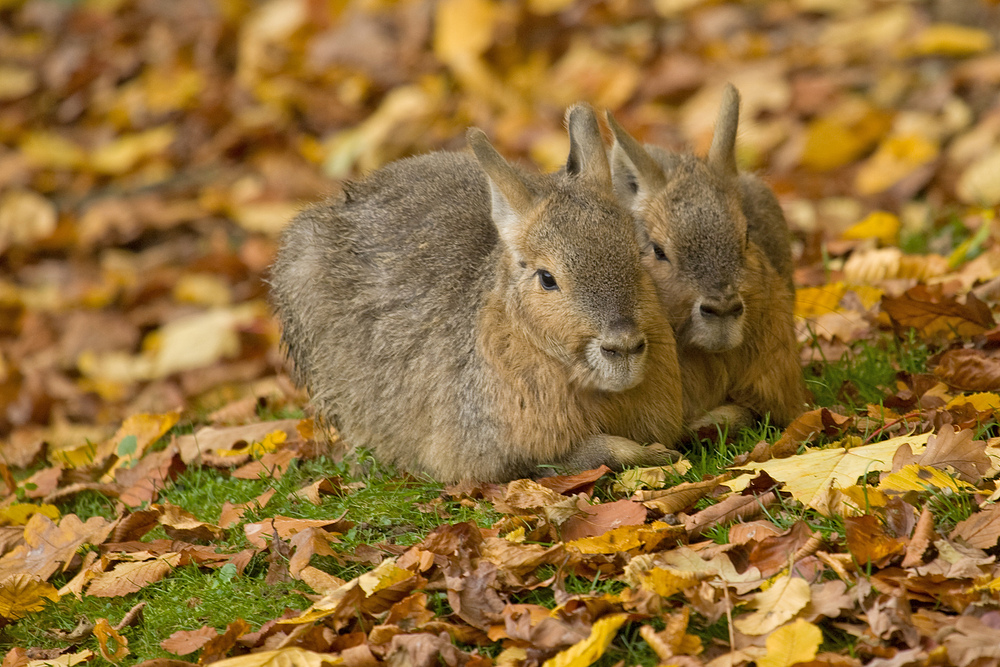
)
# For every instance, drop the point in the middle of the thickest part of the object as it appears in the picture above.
(811, 301)
(842, 137)
(920, 478)
(665, 582)
(65, 660)
(18, 514)
(793, 643)
(123, 154)
(291, 656)
(981, 402)
(980, 181)
(622, 539)
(775, 606)
(864, 498)
(16, 81)
(545, 7)
(878, 224)
(49, 150)
(634, 479)
(268, 444)
(23, 594)
(108, 635)
(516, 536)
(588, 651)
(383, 576)
(511, 657)
(25, 217)
(74, 457)
(809, 476)
(896, 158)
(947, 39)
(463, 29)
(171, 90)
(203, 289)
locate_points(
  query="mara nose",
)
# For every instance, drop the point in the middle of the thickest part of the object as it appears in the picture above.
(623, 339)
(725, 307)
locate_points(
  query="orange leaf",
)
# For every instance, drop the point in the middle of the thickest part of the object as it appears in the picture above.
(129, 577)
(933, 314)
(107, 634)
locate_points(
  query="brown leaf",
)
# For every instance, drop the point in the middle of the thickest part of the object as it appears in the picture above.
(183, 642)
(678, 498)
(411, 612)
(182, 525)
(48, 545)
(286, 527)
(230, 514)
(921, 540)
(473, 594)
(272, 464)
(217, 647)
(933, 314)
(314, 493)
(949, 450)
(143, 482)
(974, 640)
(981, 530)
(133, 525)
(580, 483)
(773, 553)
(129, 577)
(969, 370)
(732, 508)
(595, 520)
(869, 542)
(807, 425)
(307, 542)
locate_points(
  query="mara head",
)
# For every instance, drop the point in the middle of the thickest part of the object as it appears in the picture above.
(697, 233)
(570, 257)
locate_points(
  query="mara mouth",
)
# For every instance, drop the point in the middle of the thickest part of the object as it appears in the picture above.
(612, 372)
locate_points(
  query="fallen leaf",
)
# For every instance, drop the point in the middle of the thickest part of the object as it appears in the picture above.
(870, 542)
(113, 646)
(588, 651)
(790, 644)
(184, 642)
(809, 476)
(969, 370)
(23, 594)
(130, 577)
(933, 314)
(774, 607)
(949, 39)
(981, 530)
(881, 225)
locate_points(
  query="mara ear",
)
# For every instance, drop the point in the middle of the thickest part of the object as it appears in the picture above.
(510, 198)
(587, 157)
(634, 171)
(722, 154)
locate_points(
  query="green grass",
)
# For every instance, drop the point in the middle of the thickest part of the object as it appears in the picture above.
(866, 373)
(385, 510)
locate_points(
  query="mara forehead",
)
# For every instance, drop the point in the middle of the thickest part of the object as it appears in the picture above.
(695, 212)
(581, 219)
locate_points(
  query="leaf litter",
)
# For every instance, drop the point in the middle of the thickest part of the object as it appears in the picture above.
(149, 159)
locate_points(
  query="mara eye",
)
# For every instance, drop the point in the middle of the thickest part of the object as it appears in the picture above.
(546, 280)
(660, 255)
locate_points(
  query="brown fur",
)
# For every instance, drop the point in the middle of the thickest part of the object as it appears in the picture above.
(414, 310)
(719, 253)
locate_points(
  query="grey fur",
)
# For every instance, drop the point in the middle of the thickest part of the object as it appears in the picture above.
(424, 335)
